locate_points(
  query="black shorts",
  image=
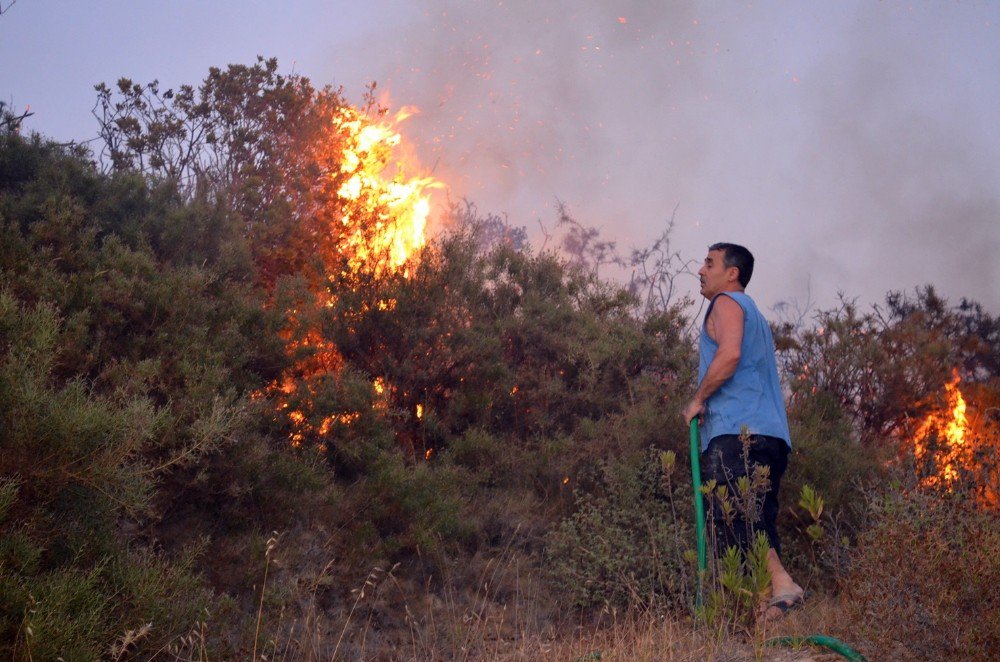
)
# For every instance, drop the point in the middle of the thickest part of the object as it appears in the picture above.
(723, 461)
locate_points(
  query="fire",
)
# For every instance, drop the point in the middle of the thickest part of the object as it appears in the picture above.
(383, 220)
(950, 428)
(398, 207)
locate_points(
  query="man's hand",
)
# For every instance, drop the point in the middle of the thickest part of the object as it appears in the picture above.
(695, 409)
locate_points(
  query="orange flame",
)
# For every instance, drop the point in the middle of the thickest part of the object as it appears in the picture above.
(949, 428)
(395, 207)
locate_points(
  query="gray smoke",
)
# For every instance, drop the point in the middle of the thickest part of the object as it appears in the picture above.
(848, 145)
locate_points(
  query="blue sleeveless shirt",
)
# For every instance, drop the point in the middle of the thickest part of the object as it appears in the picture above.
(752, 396)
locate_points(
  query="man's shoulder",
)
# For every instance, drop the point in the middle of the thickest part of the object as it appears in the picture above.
(745, 301)
(732, 301)
(725, 312)
(739, 296)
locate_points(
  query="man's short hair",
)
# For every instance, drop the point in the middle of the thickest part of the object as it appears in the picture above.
(737, 256)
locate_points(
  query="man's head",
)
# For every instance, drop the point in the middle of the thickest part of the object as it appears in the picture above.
(727, 267)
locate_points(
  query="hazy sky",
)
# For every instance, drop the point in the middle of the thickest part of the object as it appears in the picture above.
(852, 146)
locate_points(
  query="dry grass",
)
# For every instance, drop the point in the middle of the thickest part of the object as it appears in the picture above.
(492, 607)
(650, 637)
(483, 625)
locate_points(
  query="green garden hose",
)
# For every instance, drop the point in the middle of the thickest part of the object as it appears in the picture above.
(821, 640)
(699, 510)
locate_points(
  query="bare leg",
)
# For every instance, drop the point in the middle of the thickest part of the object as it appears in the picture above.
(782, 587)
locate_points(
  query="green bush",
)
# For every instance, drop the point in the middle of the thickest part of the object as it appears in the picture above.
(827, 457)
(414, 508)
(130, 337)
(626, 547)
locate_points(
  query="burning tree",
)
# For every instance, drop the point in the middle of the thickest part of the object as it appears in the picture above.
(382, 219)
(326, 202)
(869, 394)
(882, 366)
(281, 154)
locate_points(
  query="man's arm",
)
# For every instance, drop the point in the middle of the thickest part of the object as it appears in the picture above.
(725, 326)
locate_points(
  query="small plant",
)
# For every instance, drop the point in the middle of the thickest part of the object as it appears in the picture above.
(738, 579)
(272, 543)
(625, 547)
(741, 583)
(812, 503)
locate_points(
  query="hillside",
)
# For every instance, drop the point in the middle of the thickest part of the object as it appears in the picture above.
(239, 419)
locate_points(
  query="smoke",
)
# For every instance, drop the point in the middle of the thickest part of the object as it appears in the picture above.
(852, 147)
(904, 186)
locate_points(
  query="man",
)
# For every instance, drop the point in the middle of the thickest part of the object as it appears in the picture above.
(739, 387)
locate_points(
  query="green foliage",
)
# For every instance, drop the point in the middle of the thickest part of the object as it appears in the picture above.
(130, 337)
(827, 457)
(68, 616)
(136, 325)
(812, 503)
(484, 456)
(166, 592)
(625, 547)
(77, 455)
(414, 508)
(738, 586)
(75, 613)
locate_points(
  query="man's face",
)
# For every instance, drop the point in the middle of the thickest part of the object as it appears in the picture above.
(715, 276)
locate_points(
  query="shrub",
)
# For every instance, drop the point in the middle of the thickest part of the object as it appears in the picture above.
(413, 508)
(626, 547)
(826, 457)
(923, 577)
(123, 372)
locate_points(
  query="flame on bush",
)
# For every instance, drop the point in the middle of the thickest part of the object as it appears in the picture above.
(952, 451)
(383, 217)
(940, 441)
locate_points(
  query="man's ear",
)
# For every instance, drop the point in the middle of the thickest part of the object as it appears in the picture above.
(733, 274)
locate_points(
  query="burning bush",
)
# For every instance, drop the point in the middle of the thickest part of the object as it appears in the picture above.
(956, 448)
(870, 390)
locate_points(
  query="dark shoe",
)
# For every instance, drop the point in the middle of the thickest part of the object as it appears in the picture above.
(784, 603)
